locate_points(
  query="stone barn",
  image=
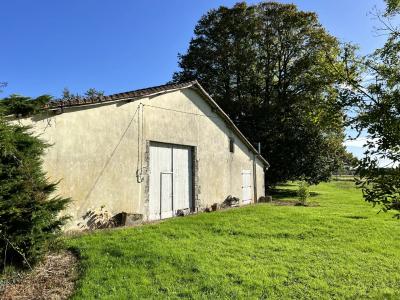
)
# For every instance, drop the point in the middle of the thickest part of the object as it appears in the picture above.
(154, 152)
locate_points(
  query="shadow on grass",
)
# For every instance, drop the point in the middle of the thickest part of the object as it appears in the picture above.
(288, 184)
(356, 217)
(281, 194)
(350, 179)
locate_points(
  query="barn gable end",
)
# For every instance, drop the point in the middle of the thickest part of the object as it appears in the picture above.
(150, 152)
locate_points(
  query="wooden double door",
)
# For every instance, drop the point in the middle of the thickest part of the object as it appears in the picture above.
(171, 182)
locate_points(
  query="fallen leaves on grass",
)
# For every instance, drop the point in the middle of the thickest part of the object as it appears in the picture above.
(54, 278)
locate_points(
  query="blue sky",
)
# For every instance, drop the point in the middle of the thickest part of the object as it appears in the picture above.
(116, 46)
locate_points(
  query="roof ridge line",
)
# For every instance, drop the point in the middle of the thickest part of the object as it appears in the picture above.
(77, 101)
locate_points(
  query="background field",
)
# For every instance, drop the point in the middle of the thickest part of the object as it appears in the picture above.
(339, 249)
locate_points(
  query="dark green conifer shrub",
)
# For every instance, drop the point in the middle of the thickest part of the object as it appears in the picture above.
(29, 211)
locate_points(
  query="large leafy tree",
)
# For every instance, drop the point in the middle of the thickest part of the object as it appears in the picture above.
(273, 69)
(29, 210)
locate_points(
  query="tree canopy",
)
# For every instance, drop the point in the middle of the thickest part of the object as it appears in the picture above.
(392, 7)
(273, 69)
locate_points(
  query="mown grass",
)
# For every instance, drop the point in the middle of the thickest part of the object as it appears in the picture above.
(341, 249)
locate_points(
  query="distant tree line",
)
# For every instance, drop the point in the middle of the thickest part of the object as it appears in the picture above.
(90, 93)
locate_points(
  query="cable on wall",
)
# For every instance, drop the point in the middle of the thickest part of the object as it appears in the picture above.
(111, 156)
(140, 143)
(181, 111)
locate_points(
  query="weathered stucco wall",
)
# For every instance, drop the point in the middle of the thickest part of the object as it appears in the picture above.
(98, 149)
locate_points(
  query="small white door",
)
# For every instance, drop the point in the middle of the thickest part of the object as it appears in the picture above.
(246, 187)
(170, 180)
(166, 195)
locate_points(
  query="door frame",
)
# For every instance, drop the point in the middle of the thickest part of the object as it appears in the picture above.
(195, 203)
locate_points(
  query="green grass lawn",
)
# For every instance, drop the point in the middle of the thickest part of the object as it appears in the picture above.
(341, 249)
